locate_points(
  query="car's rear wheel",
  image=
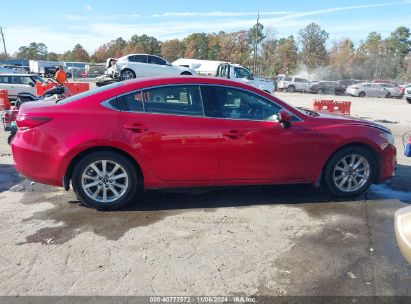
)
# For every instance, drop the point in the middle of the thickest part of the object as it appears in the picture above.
(388, 95)
(350, 172)
(320, 91)
(105, 180)
(361, 94)
(127, 74)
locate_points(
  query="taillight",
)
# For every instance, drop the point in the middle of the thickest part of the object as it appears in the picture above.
(25, 122)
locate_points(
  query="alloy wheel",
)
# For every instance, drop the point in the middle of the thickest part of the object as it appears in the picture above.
(104, 181)
(351, 173)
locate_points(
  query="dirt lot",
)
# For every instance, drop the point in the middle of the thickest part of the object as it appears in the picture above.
(248, 240)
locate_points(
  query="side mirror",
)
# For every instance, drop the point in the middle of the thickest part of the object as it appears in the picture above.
(403, 231)
(284, 118)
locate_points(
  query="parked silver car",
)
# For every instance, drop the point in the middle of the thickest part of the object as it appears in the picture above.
(367, 89)
(407, 95)
(293, 84)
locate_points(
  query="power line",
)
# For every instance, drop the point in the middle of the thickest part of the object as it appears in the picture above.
(4, 41)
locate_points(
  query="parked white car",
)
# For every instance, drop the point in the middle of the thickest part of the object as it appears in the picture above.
(394, 91)
(293, 84)
(19, 83)
(367, 89)
(144, 65)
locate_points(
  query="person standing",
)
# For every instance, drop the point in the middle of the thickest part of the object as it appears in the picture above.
(61, 76)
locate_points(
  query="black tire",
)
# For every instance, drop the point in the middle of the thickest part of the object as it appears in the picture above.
(388, 95)
(330, 171)
(68, 75)
(127, 74)
(186, 73)
(362, 94)
(320, 91)
(291, 89)
(408, 100)
(129, 192)
(10, 138)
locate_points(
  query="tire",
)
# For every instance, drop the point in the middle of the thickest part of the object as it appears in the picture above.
(361, 94)
(320, 91)
(10, 138)
(388, 95)
(68, 75)
(127, 74)
(126, 184)
(408, 100)
(186, 73)
(339, 178)
(291, 89)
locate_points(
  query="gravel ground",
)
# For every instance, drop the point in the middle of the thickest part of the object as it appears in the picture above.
(246, 240)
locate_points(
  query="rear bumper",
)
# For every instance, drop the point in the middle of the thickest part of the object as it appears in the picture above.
(388, 162)
(39, 165)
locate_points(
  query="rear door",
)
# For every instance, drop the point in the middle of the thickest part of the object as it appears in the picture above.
(140, 66)
(159, 67)
(168, 129)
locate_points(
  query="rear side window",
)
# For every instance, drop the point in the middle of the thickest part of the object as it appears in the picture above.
(174, 100)
(132, 102)
(287, 79)
(138, 58)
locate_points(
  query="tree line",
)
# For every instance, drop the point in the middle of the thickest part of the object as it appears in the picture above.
(311, 51)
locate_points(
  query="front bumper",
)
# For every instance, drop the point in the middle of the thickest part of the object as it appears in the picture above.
(388, 162)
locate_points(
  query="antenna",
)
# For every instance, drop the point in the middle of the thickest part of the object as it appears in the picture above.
(255, 43)
(4, 41)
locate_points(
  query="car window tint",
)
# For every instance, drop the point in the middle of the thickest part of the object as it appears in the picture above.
(4, 79)
(238, 104)
(156, 60)
(133, 101)
(178, 100)
(241, 73)
(138, 58)
(298, 80)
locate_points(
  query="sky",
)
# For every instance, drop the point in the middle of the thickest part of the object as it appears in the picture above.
(61, 25)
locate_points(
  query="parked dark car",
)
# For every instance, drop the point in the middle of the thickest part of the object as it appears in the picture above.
(326, 87)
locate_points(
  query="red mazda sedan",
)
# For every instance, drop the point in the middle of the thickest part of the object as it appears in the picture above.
(192, 131)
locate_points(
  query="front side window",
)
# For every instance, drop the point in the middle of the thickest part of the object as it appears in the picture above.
(241, 73)
(177, 100)
(156, 60)
(4, 79)
(238, 104)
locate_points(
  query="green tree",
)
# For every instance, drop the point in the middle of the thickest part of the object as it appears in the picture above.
(398, 47)
(148, 44)
(34, 50)
(313, 39)
(196, 46)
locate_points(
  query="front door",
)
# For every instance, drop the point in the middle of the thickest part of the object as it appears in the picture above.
(254, 146)
(168, 129)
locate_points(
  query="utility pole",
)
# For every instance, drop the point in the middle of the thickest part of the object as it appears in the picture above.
(4, 41)
(255, 43)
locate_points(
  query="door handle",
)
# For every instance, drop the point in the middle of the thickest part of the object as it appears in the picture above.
(136, 128)
(234, 134)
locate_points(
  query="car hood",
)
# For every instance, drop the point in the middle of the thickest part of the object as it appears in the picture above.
(349, 120)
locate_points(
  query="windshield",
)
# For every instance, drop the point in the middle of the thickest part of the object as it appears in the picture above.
(89, 93)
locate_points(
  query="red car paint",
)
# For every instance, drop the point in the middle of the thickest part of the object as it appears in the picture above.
(188, 151)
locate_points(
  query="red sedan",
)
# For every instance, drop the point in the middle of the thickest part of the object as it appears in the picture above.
(193, 131)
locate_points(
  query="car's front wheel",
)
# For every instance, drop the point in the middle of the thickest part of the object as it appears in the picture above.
(350, 172)
(105, 180)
